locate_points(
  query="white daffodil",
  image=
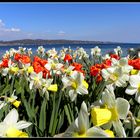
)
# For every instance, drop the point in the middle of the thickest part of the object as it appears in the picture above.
(9, 53)
(96, 51)
(76, 83)
(115, 76)
(11, 100)
(41, 51)
(69, 49)
(21, 50)
(134, 87)
(6, 54)
(64, 49)
(48, 86)
(62, 55)
(118, 50)
(35, 80)
(80, 52)
(52, 53)
(67, 70)
(11, 69)
(11, 127)
(123, 64)
(29, 51)
(112, 112)
(80, 127)
(54, 65)
(12, 51)
(27, 69)
(106, 57)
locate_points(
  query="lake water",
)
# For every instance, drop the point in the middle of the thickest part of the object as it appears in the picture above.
(105, 48)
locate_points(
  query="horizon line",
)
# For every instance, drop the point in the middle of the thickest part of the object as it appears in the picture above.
(70, 40)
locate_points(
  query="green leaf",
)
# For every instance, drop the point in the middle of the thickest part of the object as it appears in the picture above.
(18, 87)
(60, 121)
(42, 119)
(6, 90)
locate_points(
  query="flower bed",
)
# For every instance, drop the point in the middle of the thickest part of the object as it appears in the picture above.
(69, 93)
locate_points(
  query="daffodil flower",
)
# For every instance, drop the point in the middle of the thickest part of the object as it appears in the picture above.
(53, 65)
(35, 80)
(41, 51)
(48, 86)
(76, 83)
(112, 111)
(80, 127)
(123, 64)
(68, 70)
(118, 50)
(96, 51)
(11, 127)
(29, 51)
(21, 50)
(27, 69)
(52, 53)
(118, 73)
(106, 56)
(11, 100)
(115, 76)
(80, 52)
(134, 87)
(11, 69)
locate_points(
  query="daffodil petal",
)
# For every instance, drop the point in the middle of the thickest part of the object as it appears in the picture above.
(119, 128)
(130, 90)
(83, 119)
(123, 107)
(22, 124)
(96, 132)
(12, 117)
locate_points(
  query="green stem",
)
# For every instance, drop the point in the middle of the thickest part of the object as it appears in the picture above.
(56, 114)
(52, 116)
(67, 114)
(132, 126)
(12, 84)
(71, 114)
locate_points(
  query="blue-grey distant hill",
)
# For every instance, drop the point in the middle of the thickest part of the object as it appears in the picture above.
(44, 42)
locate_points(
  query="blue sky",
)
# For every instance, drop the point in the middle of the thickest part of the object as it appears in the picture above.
(118, 22)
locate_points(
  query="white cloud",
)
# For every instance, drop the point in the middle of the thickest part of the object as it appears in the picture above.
(4, 29)
(61, 33)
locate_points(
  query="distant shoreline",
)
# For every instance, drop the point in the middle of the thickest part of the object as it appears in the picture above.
(49, 42)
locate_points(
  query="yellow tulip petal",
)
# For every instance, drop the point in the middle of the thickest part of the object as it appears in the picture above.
(100, 116)
(53, 88)
(13, 132)
(110, 133)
